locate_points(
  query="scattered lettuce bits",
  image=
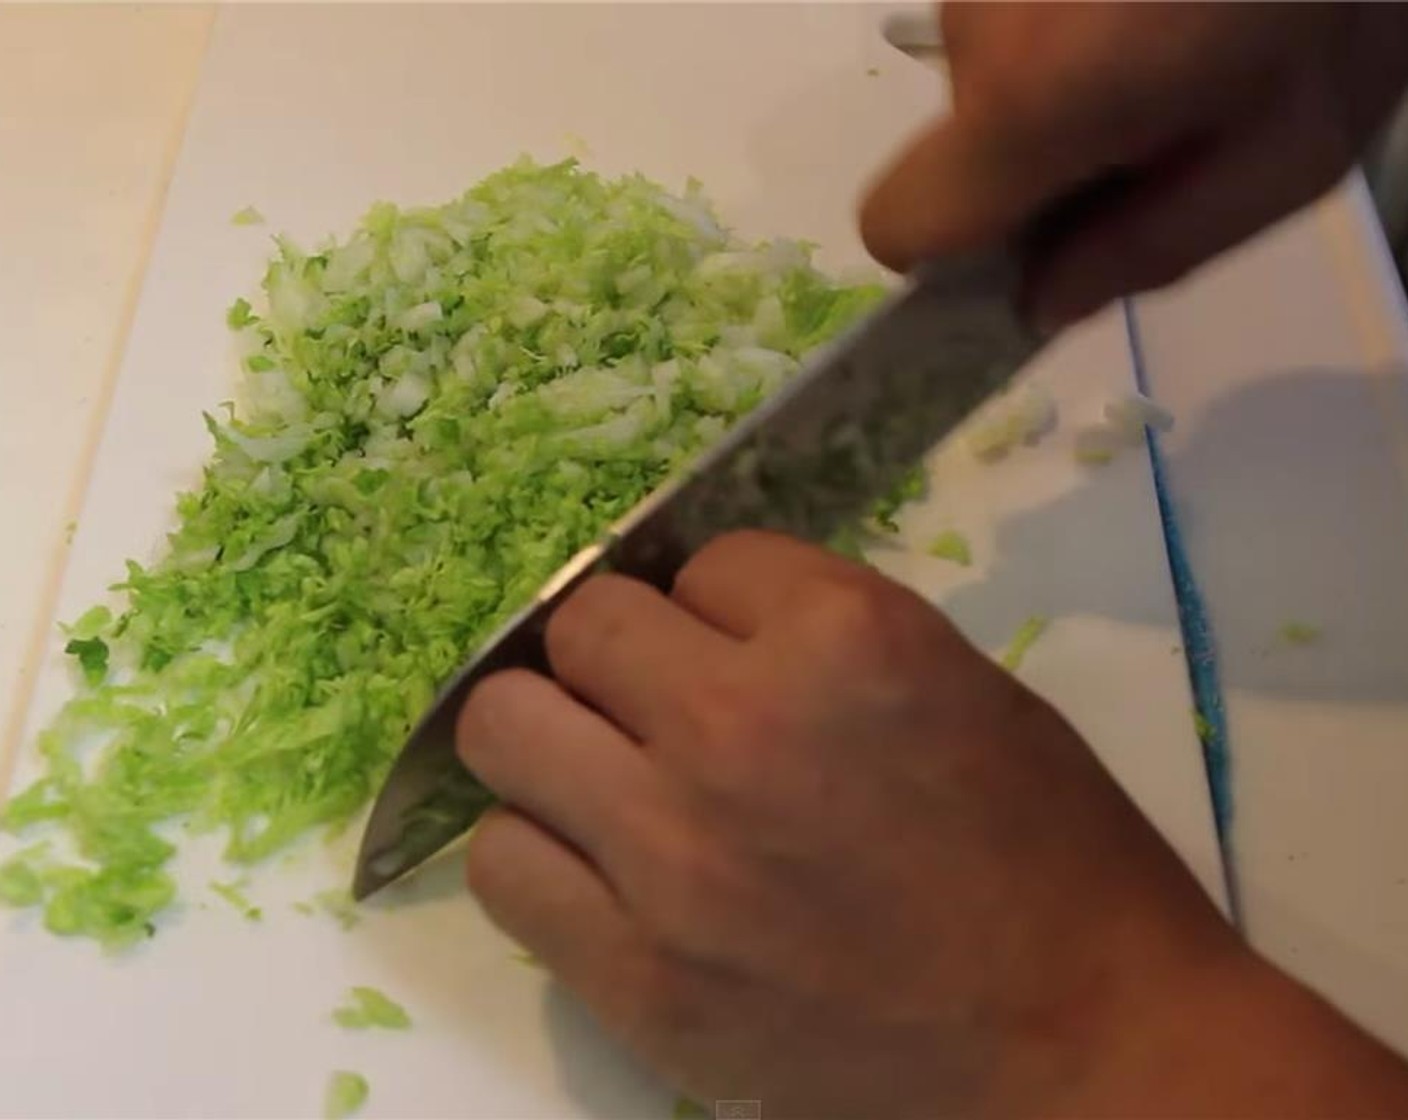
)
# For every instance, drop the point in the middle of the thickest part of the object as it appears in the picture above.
(1126, 420)
(909, 488)
(1297, 633)
(249, 216)
(1022, 641)
(21, 883)
(336, 903)
(850, 542)
(1020, 417)
(1097, 445)
(345, 1094)
(84, 645)
(687, 1109)
(371, 1008)
(1130, 415)
(233, 893)
(240, 314)
(526, 959)
(435, 413)
(951, 545)
(110, 905)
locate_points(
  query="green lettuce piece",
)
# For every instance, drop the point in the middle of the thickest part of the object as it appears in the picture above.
(337, 903)
(233, 893)
(953, 546)
(346, 1093)
(849, 541)
(241, 314)
(21, 878)
(248, 216)
(92, 655)
(371, 1008)
(434, 413)
(687, 1109)
(113, 905)
(1294, 632)
(910, 487)
(90, 623)
(1022, 641)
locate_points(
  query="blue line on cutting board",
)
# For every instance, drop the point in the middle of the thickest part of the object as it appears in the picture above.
(1199, 644)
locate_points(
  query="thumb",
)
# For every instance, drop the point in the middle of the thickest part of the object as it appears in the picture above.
(1186, 210)
(958, 185)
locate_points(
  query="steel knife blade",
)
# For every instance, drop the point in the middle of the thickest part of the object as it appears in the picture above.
(808, 461)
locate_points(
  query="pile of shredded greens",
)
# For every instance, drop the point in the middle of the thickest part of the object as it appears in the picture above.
(434, 415)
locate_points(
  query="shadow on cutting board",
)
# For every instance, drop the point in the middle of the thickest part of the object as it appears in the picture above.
(1315, 454)
(597, 1073)
(1312, 454)
(447, 961)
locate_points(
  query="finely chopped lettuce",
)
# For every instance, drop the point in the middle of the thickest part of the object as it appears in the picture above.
(433, 415)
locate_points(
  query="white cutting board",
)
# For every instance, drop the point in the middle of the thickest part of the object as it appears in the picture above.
(313, 113)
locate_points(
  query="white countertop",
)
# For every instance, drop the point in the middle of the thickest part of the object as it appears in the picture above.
(1288, 468)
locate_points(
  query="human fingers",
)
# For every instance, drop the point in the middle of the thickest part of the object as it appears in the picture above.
(630, 652)
(950, 190)
(1186, 210)
(551, 901)
(737, 580)
(547, 754)
(1048, 98)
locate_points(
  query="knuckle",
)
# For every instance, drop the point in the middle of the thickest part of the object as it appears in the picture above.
(486, 868)
(718, 708)
(494, 705)
(850, 614)
(720, 550)
(727, 551)
(469, 720)
(875, 640)
(665, 1002)
(677, 888)
(591, 618)
(624, 989)
(738, 542)
(731, 727)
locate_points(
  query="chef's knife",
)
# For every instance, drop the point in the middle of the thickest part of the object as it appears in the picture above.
(808, 461)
